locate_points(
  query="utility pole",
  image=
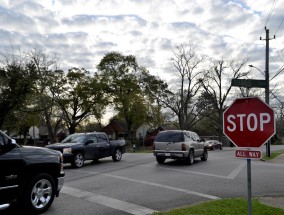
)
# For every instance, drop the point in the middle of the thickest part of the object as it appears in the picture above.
(267, 79)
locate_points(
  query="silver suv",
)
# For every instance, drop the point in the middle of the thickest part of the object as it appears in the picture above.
(177, 144)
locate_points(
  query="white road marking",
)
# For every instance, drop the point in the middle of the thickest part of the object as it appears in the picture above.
(186, 171)
(232, 175)
(237, 170)
(156, 185)
(107, 201)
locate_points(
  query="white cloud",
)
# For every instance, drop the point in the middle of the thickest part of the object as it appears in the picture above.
(81, 32)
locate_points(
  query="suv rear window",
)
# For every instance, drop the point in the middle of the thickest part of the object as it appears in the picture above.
(171, 136)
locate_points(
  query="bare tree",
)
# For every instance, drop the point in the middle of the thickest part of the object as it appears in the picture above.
(181, 100)
(45, 64)
(217, 87)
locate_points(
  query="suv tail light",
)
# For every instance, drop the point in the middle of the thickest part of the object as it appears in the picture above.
(183, 147)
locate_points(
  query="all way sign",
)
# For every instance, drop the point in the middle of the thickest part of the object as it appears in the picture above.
(248, 154)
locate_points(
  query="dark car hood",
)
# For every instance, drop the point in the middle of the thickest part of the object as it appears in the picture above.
(63, 145)
(38, 151)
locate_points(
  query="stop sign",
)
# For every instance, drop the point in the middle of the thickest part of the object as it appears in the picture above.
(249, 122)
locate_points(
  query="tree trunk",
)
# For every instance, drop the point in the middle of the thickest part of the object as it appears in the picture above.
(72, 128)
(49, 126)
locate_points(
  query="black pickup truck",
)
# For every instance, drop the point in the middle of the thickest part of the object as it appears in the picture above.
(78, 147)
(29, 176)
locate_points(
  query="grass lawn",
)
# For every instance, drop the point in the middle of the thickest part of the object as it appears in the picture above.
(238, 206)
(273, 155)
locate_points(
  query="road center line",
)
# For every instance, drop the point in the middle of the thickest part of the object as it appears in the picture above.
(237, 170)
(186, 171)
(107, 201)
(157, 185)
(232, 175)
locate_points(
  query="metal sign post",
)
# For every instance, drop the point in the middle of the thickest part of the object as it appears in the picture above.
(249, 186)
(248, 123)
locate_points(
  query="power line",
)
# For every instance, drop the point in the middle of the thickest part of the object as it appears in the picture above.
(279, 71)
(279, 26)
(268, 16)
(281, 56)
(279, 52)
(271, 10)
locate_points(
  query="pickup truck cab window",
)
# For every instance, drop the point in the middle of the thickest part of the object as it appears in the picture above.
(92, 139)
(74, 138)
(101, 138)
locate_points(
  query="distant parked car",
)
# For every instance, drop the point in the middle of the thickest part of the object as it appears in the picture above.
(213, 144)
(178, 144)
(78, 147)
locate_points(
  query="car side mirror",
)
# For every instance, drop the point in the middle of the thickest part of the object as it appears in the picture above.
(13, 141)
(9, 145)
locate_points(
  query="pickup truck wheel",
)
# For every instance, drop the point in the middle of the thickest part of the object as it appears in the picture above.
(205, 155)
(190, 158)
(39, 194)
(78, 160)
(117, 155)
(160, 160)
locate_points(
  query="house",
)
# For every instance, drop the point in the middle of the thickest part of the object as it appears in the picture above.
(116, 130)
(141, 133)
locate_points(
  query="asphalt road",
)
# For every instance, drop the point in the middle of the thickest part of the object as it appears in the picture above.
(138, 185)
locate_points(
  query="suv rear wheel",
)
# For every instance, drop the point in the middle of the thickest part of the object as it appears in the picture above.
(190, 158)
(205, 155)
(160, 160)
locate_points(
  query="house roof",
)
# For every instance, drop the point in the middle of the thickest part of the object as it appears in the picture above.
(115, 126)
(161, 128)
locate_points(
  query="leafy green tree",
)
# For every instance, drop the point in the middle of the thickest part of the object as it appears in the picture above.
(78, 96)
(128, 88)
(153, 88)
(120, 73)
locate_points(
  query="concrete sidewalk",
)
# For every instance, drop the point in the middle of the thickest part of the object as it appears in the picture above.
(274, 201)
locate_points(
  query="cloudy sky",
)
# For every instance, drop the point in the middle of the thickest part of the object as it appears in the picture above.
(81, 32)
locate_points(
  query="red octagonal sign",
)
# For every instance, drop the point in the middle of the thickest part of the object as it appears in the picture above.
(249, 122)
